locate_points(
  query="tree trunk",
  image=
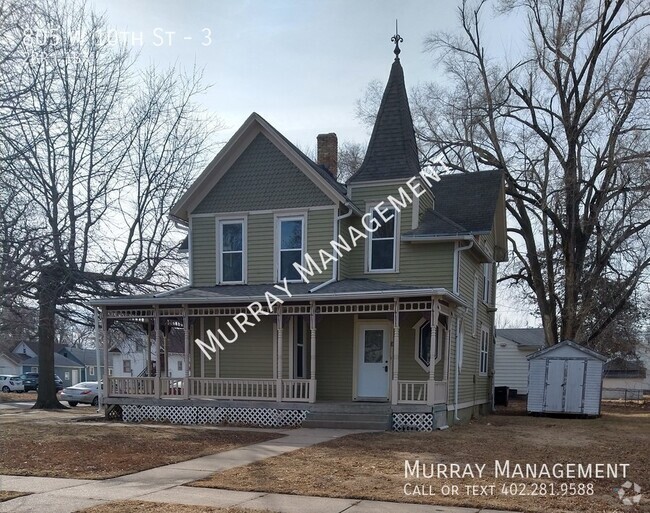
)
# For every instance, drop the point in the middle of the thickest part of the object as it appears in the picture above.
(50, 284)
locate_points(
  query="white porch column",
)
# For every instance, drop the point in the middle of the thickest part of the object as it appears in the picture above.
(186, 355)
(98, 353)
(156, 328)
(105, 390)
(435, 313)
(395, 381)
(279, 362)
(312, 362)
(149, 369)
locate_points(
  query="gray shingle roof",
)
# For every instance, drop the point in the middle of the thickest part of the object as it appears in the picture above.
(392, 151)
(464, 204)
(533, 337)
(59, 361)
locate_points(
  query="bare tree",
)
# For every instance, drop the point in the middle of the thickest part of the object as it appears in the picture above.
(98, 152)
(350, 158)
(569, 127)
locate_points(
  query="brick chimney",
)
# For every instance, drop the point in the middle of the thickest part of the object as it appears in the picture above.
(328, 148)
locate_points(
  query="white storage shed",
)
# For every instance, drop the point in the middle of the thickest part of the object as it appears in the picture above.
(565, 378)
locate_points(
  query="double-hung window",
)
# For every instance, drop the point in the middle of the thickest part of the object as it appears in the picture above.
(291, 235)
(381, 254)
(483, 360)
(232, 244)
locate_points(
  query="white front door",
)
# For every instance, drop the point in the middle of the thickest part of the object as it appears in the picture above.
(372, 357)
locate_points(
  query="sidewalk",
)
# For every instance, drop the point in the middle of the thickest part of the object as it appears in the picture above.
(166, 484)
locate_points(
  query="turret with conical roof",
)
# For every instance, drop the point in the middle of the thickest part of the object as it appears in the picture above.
(392, 151)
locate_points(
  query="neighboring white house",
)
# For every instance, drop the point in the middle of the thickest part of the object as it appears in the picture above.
(10, 364)
(130, 358)
(512, 346)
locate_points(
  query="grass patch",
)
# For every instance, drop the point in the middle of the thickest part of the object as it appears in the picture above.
(75, 450)
(15, 397)
(158, 507)
(6, 495)
(371, 465)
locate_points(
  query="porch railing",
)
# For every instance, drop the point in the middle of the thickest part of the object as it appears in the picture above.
(417, 392)
(296, 390)
(130, 387)
(171, 387)
(234, 388)
(413, 392)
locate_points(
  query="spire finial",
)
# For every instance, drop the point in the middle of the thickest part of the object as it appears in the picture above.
(397, 39)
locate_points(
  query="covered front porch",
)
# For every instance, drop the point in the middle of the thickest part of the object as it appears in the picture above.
(372, 351)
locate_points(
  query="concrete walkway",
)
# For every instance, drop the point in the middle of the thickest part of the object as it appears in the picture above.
(165, 484)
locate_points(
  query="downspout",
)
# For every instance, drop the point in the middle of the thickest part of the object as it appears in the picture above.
(335, 266)
(457, 372)
(457, 251)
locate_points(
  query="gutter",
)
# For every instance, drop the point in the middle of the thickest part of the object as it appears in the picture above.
(335, 266)
(457, 371)
(125, 301)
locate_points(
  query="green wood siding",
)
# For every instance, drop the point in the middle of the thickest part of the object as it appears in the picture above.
(320, 231)
(251, 355)
(428, 264)
(260, 248)
(334, 346)
(262, 178)
(203, 252)
(409, 368)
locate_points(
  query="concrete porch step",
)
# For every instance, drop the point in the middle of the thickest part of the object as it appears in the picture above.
(342, 420)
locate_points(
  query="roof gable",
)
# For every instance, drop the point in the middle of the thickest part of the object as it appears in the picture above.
(567, 344)
(285, 155)
(262, 178)
(392, 151)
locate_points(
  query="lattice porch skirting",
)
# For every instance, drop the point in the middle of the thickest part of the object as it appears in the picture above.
(261, 417)
(413, 422)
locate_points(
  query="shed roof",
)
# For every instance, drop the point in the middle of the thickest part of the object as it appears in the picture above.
(565, 343)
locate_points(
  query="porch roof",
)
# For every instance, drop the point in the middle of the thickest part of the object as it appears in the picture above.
(342, 289)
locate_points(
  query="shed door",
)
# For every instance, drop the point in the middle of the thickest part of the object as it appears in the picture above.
(554, 385)
(575, 382)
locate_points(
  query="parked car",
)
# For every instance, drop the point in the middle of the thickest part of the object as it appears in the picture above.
(11, 383)
(85, 392)
(30, 381)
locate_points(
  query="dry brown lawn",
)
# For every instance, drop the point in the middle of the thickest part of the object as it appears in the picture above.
(15, 397)
(158, 507)
(7, 495)
(88, 451)
(371, 465)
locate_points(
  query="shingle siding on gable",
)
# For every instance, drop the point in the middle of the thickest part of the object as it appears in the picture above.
(262, 178)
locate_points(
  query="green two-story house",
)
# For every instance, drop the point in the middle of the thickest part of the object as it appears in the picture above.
(313, 302)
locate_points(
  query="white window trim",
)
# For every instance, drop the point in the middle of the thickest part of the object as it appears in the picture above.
(416, 328)
(395, 269)
(485, 337)
(278, 218)
(488, 283)
(219, 222)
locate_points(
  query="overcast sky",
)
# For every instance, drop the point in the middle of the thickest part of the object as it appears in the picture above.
(301, 64)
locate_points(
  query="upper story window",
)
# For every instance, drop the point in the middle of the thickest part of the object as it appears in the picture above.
(483, 360)
(487, 283)
(232, 254)
(382, 250)
(291, 244)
